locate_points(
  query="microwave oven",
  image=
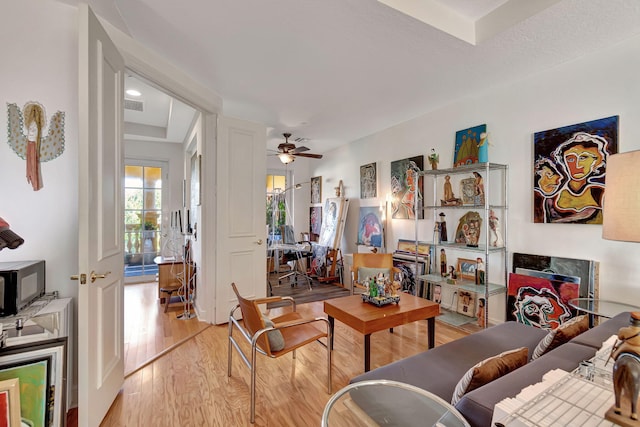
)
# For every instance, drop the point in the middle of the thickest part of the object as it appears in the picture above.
(21, 283)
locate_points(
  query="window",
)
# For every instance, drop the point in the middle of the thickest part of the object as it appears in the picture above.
(276, 206)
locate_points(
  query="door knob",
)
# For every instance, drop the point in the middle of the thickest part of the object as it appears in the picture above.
(95, 276)
(259, 241)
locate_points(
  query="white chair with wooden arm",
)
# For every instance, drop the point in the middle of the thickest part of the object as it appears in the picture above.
(369, 260)
(295, 331)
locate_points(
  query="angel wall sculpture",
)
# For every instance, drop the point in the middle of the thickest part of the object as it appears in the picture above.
(26, 136)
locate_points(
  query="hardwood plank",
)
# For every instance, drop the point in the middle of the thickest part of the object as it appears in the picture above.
(189, 385)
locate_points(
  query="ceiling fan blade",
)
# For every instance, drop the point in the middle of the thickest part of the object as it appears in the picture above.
(312, 156)
(298, 150)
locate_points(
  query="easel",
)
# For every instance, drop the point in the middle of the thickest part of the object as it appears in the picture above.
(334, 259)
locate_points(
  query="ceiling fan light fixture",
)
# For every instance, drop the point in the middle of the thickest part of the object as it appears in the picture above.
(286, 158)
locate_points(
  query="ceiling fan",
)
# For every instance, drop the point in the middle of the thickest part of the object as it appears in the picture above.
(288, 151)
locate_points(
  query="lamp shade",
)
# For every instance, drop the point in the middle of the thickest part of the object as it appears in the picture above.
(285, 158)
(621, 216)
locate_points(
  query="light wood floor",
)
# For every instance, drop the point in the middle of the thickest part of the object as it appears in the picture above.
(188, 386)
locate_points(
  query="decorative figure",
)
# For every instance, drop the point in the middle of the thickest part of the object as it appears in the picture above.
(443, 263)
(481, 318)
(626, 369)
(433, 158)
(443, 228)
(436, 232)
(468, 230)
(496, 233)
(483, 148)
(480, 273)
(34, 147)
(452, 272)
(449, 198)
(479, 189)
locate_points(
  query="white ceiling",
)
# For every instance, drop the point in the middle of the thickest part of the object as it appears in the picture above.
(334, 71)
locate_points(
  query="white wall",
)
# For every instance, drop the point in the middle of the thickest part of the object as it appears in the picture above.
(600, 85)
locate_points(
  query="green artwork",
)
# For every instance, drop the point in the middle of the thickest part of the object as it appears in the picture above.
(33, 389)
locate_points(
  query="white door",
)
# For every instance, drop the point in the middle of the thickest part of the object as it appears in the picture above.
(100, 219)
(241, 213)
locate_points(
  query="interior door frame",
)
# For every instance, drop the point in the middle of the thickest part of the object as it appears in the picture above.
(169, 78)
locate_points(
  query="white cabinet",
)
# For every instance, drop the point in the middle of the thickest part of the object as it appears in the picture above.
(476, 228)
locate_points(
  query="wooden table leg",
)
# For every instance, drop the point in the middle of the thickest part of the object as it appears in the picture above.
(367, 352)
(431, 331)
(331, 327)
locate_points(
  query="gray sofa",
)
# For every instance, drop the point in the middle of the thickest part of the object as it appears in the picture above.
(438, 370)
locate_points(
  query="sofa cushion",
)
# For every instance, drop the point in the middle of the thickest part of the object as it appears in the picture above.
(490, 369)
(477, 405)
(439, 369)
(594, 337)
(560, 335)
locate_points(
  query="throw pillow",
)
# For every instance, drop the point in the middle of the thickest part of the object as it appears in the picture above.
(364, 272)
(276, 340)
(488, 370)
(560, 335)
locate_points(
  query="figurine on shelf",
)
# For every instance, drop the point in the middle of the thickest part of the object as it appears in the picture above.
(626, 369)
(449, 198)
(481, 318)
(479, 271)
(496, 233)
(443, 228)
(452, 272)
(479, 189)
(443, 263)
(433, 159)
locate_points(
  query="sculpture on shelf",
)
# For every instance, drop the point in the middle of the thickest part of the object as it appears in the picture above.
(496, 232)
(479, 189)
(433, 159)
(626, 369)
(468, 230)
(443, 263)
(443, 228)
(449, 198)
(479, 271)
(481, 318)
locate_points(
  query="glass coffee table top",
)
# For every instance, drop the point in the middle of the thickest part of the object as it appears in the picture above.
(388, 403)
(599, 307)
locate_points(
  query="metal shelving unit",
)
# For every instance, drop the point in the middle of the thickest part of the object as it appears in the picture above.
(495, 198)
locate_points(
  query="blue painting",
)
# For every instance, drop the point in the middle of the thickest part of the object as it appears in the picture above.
(467, 145)
(370, 227)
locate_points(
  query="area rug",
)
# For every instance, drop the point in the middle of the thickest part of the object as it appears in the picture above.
(301, 293)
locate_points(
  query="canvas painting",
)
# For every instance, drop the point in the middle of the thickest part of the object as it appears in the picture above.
(467, 303)
(318, 260)
(569, 171)
(408, 273)
(586, 270)
(34, 383)
(370, 227)
(409, 247)
(405, 180)
(467, 145)
(368, 181)
(333, 218)
(316, 189)
(540, 302)
(315, 222)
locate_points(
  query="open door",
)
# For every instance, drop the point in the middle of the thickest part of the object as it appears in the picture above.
(100, 247)
(241, 213)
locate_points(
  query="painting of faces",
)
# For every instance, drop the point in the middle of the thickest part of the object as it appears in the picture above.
(368, 181)
(569, 171)
(404, 182)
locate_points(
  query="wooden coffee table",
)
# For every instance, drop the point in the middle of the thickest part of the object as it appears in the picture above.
(367, 318)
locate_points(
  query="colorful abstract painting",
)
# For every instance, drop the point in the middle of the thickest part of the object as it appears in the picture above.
(368, 181)
(370, 227)
(569, 171)
(34, 389)
(405, 180)
(540, 302)
(467, 145)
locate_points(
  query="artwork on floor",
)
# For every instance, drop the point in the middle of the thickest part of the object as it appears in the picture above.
(408, 273)
(318, 260)
(333, 218)
(368, 181)
(404, 182)
(409, 247)
(10, 403)
(316, 189)
(370, 227)
(586, 270)
(569, 171)
(467, 145)
(540, 302)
